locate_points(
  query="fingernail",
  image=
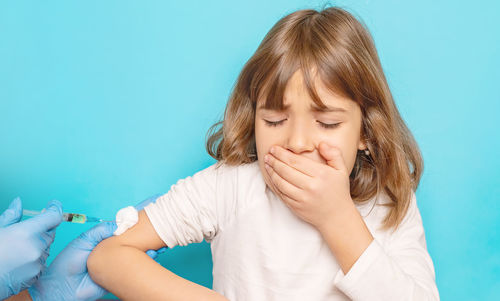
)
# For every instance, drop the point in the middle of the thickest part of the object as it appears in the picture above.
(272, 150)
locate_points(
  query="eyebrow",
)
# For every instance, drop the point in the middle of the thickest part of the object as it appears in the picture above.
(314, 108)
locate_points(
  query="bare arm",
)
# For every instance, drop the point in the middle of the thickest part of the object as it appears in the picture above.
(120, 264)
(347, 236)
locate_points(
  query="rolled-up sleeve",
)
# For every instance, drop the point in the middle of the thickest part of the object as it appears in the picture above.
(187, 213)
(402, 269)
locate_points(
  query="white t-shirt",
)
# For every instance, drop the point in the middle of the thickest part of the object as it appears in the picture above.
(262, 251)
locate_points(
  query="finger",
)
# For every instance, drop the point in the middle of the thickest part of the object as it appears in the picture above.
(285, 188)
(152, 253)
(287, 172)
(48, 219)
(161, 250)
(333, 156)
(285, 199)
(302, 164)
(46, 239)
(43, 257)
(289, 202)
(273, 187)
(98, 233)
(13, 214)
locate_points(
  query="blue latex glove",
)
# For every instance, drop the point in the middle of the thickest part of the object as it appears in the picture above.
(25, 245)
(67, 277)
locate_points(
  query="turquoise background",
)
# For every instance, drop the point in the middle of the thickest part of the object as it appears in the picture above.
(105, 103)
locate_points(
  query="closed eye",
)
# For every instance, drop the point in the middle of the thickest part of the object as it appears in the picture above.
(325, 125)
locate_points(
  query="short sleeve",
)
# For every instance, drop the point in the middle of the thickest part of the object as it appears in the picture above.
(402, 269)
(187, 213)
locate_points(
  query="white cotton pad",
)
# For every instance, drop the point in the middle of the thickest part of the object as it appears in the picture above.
(126, 218)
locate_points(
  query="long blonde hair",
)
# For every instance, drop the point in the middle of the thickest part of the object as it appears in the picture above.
(341, 49)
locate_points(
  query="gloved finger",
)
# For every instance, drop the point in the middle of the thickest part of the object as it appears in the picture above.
(89, 290)
(152, 253)
(147, 201)
(52, 231)
(48, 219)
(39, 242)
(46, 239)
(13, 213)
(43, 257)
(98, 233)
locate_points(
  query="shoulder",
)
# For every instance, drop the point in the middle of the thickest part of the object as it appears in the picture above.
(241, 173)
(236, 180)
(237, 187)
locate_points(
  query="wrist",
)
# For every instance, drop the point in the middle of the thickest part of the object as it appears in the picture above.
(22, 296)
(343, 213)
(347, 236)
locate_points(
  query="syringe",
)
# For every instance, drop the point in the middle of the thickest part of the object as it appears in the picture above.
(69, 217)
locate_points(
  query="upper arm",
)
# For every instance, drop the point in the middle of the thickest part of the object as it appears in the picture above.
(190, 211)
(119, 264)
(141, 236)
(137, 239)
(187, 213)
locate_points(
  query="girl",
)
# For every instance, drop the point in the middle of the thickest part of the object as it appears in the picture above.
(312, 197)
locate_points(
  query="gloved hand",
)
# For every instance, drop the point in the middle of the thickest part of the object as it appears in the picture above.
(67, 277)
(25, 245)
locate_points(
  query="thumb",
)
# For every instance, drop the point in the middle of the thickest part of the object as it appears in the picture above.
(332, 155)
(48, 219)
(88, 290)
(95, 235)
(13, 214)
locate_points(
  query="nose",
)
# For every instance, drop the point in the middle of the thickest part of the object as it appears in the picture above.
(299, 138)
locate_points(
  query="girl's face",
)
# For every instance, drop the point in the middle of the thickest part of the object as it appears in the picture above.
(300, 128)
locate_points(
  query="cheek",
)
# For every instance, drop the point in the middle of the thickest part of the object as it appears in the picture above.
(347, 142)
(258, 137)
(350, 151)
(264, 138)
(350, 158)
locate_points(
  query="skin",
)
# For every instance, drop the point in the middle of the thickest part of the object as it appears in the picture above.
(301, 133)
(310, 166)
(310, 175)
